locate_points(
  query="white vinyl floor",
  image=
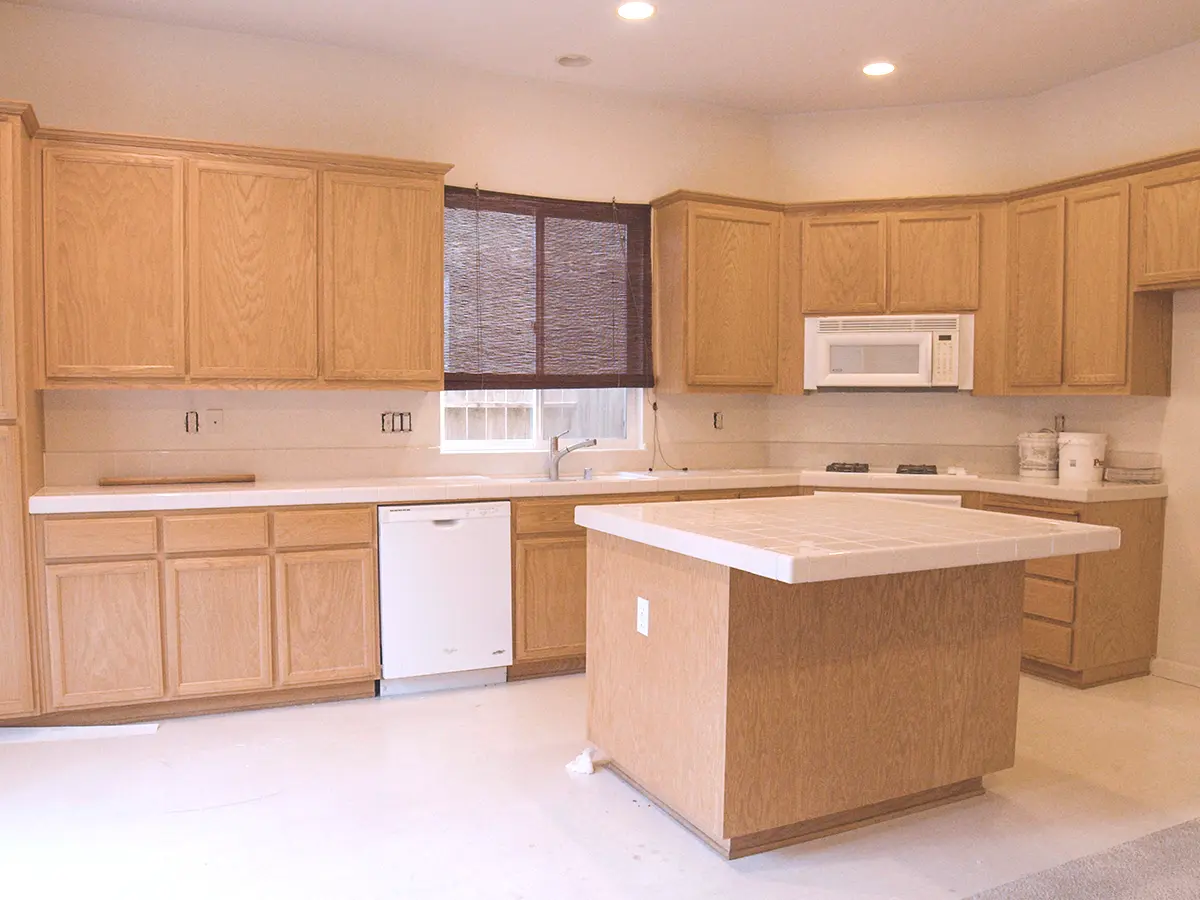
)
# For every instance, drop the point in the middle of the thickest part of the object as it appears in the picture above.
(464, 795)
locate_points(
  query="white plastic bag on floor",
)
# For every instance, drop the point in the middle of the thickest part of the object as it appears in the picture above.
(584, 763)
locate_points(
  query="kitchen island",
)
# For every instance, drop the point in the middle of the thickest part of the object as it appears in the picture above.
(800, 666)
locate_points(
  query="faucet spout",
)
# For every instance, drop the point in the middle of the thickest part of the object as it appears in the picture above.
(556, 454)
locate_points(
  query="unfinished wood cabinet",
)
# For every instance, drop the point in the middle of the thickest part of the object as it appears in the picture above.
(382, 292)
(327, 616)
(934, 262)
(114, 263)
(551, 581)
(1096, 333)
(1036, 291)
(1093, 618)
(716, 296)
(104, 633)
(252, 270)
(218, 612)
(16, 667)
(843, 265)
(1166, 229)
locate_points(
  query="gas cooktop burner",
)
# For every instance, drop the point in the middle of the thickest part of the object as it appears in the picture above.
(910, 469)
(847, 467)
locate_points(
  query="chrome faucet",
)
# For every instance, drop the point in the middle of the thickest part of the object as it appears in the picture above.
(556, 455)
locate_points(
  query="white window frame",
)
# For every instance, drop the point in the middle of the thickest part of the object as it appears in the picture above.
(633, 440)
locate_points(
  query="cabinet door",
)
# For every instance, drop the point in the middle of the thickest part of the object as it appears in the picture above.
(550, 605)
(8, 269)
(934, 263)
(1035, 298)
(1167, 226)
(252, 265)
(113, 264)
(327, 622)
(16, 672)
(1097, 296)
(219, 625)
(382, 278)
(843, 265)
(733, 296)
(105, 632)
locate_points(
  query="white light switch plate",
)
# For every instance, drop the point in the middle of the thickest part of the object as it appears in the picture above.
(643, 616)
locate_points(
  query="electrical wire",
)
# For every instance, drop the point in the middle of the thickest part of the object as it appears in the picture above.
(657, 447)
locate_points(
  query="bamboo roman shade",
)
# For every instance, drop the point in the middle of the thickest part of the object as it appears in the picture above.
(544, 294)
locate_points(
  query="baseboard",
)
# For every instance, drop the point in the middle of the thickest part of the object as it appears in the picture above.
(1176, 671)
(540, 668)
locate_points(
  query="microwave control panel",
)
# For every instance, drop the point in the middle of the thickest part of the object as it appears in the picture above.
(945, 359)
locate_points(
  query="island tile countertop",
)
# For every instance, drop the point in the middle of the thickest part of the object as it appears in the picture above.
(417, 489)
(833, 536)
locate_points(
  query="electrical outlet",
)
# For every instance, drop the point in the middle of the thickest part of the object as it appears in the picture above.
(191, 422)
(718, 420)
(214, 421)
(395, 422)
(643, 616)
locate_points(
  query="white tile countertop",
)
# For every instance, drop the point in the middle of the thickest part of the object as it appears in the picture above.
(84, 499)
(833, 536)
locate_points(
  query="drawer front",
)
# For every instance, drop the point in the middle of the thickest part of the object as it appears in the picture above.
(755, 493)
(233, 531)
(710, 495)
(557, 516)
(325, 527)
(84, 538)
(1060, 567)
(1046, 641)
(1050, 599)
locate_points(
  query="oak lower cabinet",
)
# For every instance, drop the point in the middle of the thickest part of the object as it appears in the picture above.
(16, 667)
(158, 614)
(327, 616)
(1092, 619)
(219, 624)
(104, 624)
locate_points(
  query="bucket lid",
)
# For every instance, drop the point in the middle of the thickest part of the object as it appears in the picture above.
(1081, 437)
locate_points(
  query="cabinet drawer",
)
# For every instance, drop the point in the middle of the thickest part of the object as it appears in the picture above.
(557, 516)
(82, 538)
(325, 527)
(709, 495)
(1046, 641)
(1060, 567)
(1050, 599)
(755, 493)
(234, 531)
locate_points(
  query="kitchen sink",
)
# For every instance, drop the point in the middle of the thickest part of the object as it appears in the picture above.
(606, 478)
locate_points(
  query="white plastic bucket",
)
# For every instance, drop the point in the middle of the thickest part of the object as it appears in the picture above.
(1081, 456)
(1039, 454)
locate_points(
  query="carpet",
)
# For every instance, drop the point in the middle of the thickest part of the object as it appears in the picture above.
(1160, 866)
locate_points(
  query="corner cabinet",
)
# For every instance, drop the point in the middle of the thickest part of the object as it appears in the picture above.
(382, 249)
(717, 296)
(179, 263)
(114, 263)
(1167, 227)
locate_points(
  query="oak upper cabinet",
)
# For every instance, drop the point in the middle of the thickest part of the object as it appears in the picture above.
(1036, 290)
(934, 262)
(1097, 285)
(551, 620)
(716, 295)
(1166, 230)
(16, 672)
(252, 270)
(113, 263)
(843, 265)
(382, 292)
(327, 616)
(9, 130)
(105, 633)
(218, 613)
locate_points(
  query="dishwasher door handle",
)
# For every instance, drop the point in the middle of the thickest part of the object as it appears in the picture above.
(447, 524)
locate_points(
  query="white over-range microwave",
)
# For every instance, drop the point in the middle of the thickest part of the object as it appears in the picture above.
(890, 352)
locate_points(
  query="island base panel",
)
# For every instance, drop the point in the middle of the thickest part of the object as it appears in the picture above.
(754, 706)
(813, 829)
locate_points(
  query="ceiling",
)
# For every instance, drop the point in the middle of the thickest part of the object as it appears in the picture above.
(772, 56)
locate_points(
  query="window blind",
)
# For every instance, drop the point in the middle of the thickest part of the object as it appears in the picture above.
(545, 294)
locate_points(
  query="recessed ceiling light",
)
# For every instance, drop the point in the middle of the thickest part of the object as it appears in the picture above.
(574, 60)
(635, 10)
(879, 68)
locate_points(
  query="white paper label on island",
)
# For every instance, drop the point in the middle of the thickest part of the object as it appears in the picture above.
(643, 616)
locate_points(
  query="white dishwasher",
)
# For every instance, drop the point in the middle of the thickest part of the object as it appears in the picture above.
(445, 595)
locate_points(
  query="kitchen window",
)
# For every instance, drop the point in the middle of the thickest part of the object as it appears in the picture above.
(547, 321)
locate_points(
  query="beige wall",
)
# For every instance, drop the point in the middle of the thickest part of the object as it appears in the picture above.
(515, 135)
